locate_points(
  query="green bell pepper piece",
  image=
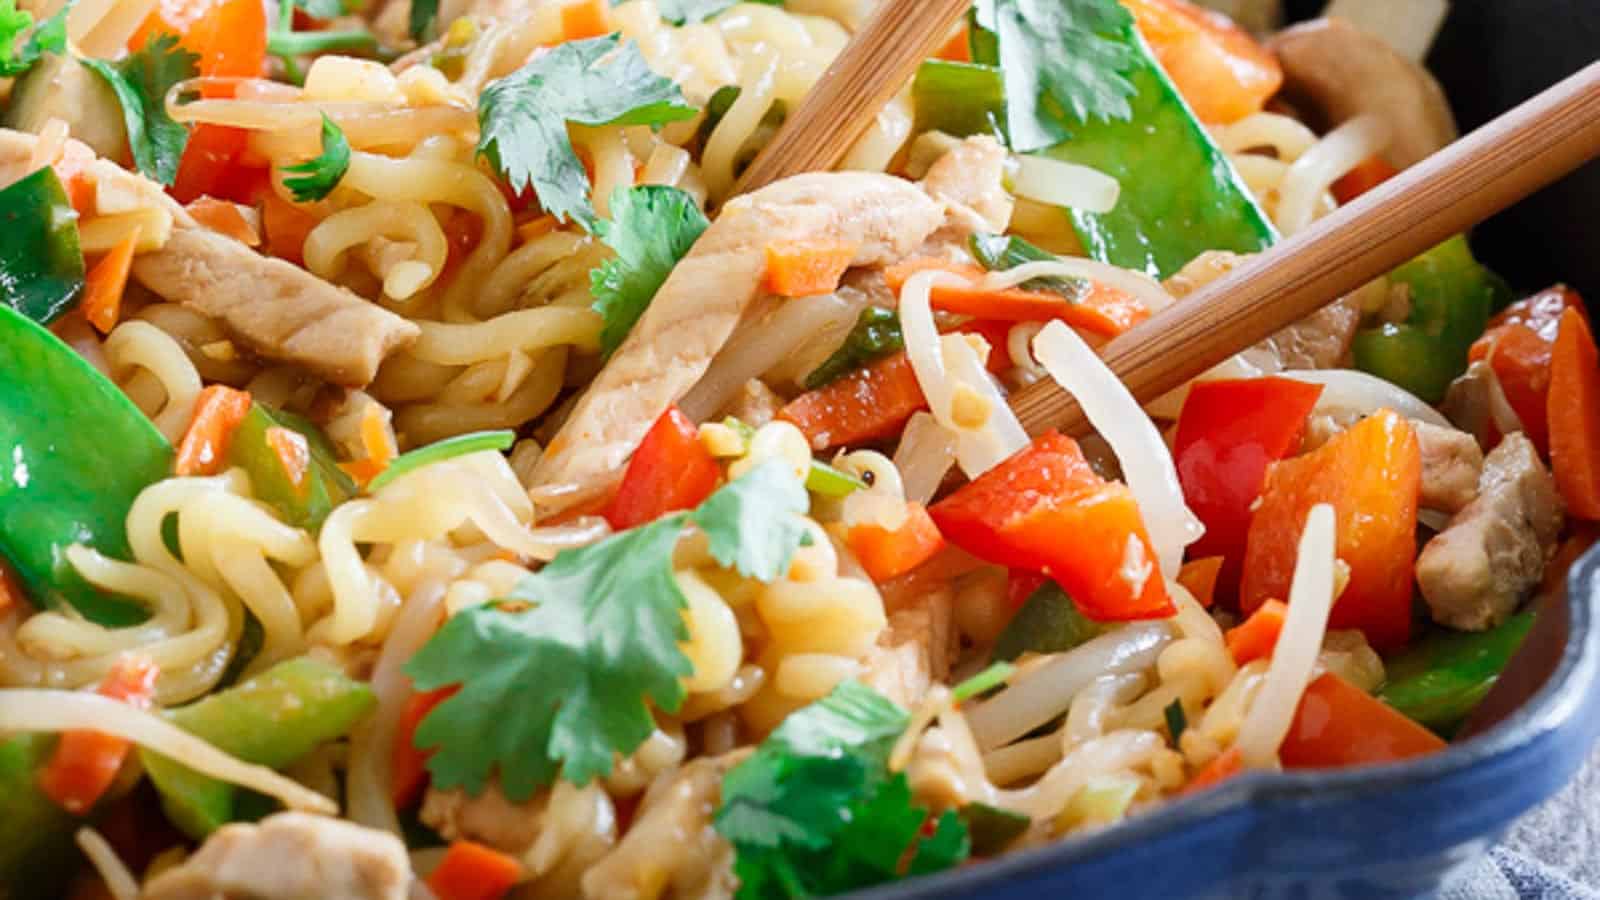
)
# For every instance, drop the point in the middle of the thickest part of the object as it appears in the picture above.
(1049, 622)
(35, 834)
(79, 453)
(326, 484)
(1452, 296)
(272, 720)
(876, 334)
(1438, 680)
(959, 98)
(992, 827)
(439, 451)
(41, 267)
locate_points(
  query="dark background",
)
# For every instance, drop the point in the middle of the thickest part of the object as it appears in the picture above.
(1491, 55)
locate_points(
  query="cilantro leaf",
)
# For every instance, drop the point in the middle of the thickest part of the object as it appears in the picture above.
(141, 82)
(754, 523)
(557, 680)
(651, 228)
(49, 37)
(816, 811)
(522, 118)
(316, 178)
(1064, 62)
(423, 14)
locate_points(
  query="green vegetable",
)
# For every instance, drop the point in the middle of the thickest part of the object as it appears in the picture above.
(49, 37)
(876, 334)
(36, 846)
(1439, 680)
(959, 98)
(306, 43)
(323, 9)
(1049, 622)
(1177, 720)
(252, 637)
(992, 677)
(723, 99)
(652, 226)
(423, 14)
(58, 87)
(41, 267)
(998, 252)
(1064, 62)
(326, 484)
(439, 451)
(1452, 296)
(316, 178)
(78, 454)
(523, 117)
(141, 82)
(561, 677)
(271, 720)
(815, 810)
(827, 481)
(992, 828)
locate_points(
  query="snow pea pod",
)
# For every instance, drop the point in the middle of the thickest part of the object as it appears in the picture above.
(78, 453)
(304, 505)
(1440, 679)
(41, 266)
(35, 834)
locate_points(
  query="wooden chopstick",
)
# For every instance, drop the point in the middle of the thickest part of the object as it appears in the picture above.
(842, 105)
(1481, 174)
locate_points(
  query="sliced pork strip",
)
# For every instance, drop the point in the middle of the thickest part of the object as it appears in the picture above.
(709, 292)
(290, 856)
(1475, 572)
(274, 308)
(970, 178)
(1319, 341)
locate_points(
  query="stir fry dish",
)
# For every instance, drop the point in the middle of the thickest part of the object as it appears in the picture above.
(429, 478)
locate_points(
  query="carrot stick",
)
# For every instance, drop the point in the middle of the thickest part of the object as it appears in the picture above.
(474, 872)
(1574, 413)
(584, 19)
(889, 554)
(85, 762)
(868, 403)
(103, 286)
(1103, 310)
(807, 268)
(293, 452)
(957, 49)
(226, 219)
(217, 414)
(1373, 171)
(1255, 637)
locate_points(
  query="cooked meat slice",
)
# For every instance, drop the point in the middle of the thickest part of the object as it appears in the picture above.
(708, 294)
(1452, 462)
(915, 651)
(671, 850)
(488, 818)
(290, 856)
(1475, 572)
(1467, 402)
(971, 179)
(276, 309)
(1319, 341)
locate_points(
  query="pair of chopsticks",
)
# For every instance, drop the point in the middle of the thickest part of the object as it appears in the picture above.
(1474, 178)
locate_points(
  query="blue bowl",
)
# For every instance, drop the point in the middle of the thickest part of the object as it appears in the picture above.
(1388, 831)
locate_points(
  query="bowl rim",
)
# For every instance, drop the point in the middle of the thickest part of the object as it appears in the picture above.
(1555, 706)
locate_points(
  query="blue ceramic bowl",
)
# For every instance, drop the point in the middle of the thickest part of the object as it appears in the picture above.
(1388, 831)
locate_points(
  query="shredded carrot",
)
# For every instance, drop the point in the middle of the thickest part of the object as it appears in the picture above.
(84, 762)
(531, 231)
(889, 554)
(286, 226)
(293, 452)
(217, 414)
(103, 286)
(1574, 413)
(226, 219)
(375, 437)
(1213, 773)
(958, 48)
(361, 470)
(1103, 310)
(869, 403)
(806, 268)
(73, 171)
(1255, 637)
(584, 19)
(474, 872)
(1199, 577)
(1373, 171)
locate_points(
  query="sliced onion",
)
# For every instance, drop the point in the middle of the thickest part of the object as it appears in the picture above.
(762, 345)
(926, 453)
(1339, 151)
(1146, 463)
(1294, 656)
(1065, 184)
(36, 709)
(1351, 393)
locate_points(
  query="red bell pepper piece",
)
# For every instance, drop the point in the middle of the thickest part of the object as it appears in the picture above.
(408, 764)
(1541, 312)
(1338, 724)
(1372, 475)
(1228, 433)
(670, 471)
(997, 334)
(869, 403)
(471, 871)
(1373, 171)
(1045, 510)
(1518, 345)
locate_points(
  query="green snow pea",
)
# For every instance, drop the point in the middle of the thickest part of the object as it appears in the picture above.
(41, 267)
(303, 506)
(35, 834)
(1438, 680)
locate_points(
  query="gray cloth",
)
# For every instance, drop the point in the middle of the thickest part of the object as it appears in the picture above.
(1552, 853)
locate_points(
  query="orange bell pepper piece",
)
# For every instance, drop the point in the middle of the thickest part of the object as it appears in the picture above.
(1218, 67)
(1199, 577)
(1255, 637)
(472, 871)
(1371, 474)
(888, 554)
(806, 268)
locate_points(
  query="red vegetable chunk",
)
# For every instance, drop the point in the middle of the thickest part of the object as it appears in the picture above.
(670, 471)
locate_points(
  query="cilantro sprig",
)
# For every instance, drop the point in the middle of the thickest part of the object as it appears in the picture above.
(651, 228)
(560, 677)
(49, 37)
(815, 810)
(141, 82)
(315, 178)
(1064, 62)
(522, 118)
